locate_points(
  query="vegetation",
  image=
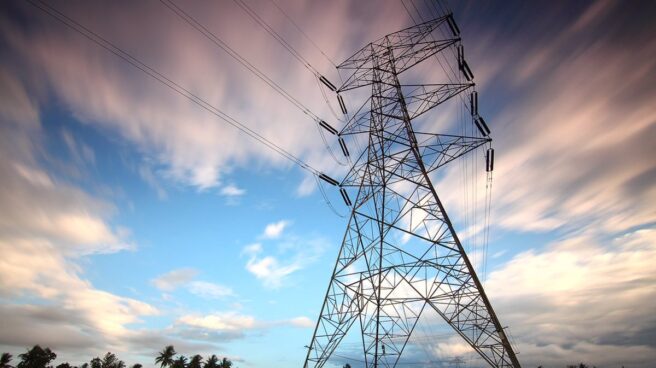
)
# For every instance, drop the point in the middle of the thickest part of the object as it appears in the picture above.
(38, 357)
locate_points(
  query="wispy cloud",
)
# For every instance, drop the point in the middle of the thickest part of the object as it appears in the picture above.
(554, 300)
(232, 190)
(292, 255)
(184, 278)
(275, 230)
(46, 226)
(209, 290)
(174, 279)
(232, 322)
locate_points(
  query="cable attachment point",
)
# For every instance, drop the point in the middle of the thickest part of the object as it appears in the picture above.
(452, 24)
(482, 126)
(462, 64)
(345, 197)
(327, 83)
(329, 128)
(489, 160)
(342, 145)
(341, 103)
(328, 179)
(473, 103)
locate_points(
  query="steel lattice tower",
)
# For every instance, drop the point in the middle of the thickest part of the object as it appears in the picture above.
(400, 255)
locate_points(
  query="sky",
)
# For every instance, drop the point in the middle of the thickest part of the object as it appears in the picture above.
(132, 219)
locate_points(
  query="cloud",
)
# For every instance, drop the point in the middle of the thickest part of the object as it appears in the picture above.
(232, 190)
(151, 178)
(184, 277)
(81, 153)
(574, 148)
(270, 270)
(209, 290)
(234, 322)
(174, 279)
(46, 226)
(192, 145)
(274, 230)
(229, 321)
(293, 255)
(555, 299)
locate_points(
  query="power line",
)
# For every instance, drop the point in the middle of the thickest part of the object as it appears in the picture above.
(235, 55)
(302, 32)
(193, 22)
(281, 40)
(107, 45)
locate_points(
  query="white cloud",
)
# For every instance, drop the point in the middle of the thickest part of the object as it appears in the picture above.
(174, 279)
(184, 278)
(151, 178)
(209, 290)
(235, 322)
(193, 146)
(270, 271)
(228, 321)
(293, 255)
(80, 152)
(274, 230)
(46, 225)
(232, 190)
(302, 322)
(555, 299)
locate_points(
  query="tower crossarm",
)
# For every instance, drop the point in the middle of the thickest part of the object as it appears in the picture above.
(361, 73)
(410, 46)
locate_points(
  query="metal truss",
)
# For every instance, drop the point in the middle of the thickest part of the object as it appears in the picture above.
(400, 254)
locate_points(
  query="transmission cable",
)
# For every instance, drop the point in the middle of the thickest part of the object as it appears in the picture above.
(281, 40)
(303, 33)
(193, 22)
(107, 45)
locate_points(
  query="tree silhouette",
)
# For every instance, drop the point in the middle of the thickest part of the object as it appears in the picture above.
(196, 361)
(165, 357)
(36, 357)
(347, 365)
(225, 363)
(212, 362)
(181, 362)
(110, 361)
(5, 359)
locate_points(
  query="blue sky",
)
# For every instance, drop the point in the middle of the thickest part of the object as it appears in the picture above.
(132, 219)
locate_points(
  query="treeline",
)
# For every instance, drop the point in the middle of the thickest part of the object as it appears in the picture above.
(38, 357)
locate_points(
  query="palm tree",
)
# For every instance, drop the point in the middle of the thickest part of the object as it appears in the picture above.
(212, 362)
(137, 365)
(165, 358)
(225, 363)
(5, 359)
(181, 362)
(37, 357)
(195, 362)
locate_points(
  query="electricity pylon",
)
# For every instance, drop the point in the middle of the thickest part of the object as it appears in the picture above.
(400, 255)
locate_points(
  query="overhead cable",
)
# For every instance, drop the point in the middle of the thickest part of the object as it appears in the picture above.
(107, 45)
